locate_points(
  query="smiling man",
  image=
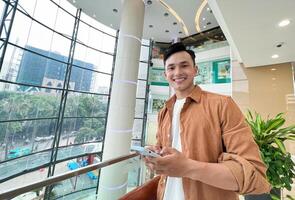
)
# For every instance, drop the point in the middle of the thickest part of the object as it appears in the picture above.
(207, 149)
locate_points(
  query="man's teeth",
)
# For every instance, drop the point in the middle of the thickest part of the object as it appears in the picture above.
(179, 79)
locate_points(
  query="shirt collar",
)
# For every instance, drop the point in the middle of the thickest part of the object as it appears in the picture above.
(195, 95)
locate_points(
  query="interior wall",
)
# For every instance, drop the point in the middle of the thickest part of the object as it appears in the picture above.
(267, 90)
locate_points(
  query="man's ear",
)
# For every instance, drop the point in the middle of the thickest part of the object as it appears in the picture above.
(197, 70)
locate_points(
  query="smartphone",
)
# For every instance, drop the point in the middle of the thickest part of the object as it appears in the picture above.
(145, 152)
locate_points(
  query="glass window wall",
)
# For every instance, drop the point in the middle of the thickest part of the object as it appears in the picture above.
(32, 86)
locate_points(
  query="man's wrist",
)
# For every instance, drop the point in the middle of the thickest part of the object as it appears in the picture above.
(194, 169)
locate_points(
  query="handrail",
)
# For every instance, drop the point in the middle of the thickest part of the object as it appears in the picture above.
(51, 180)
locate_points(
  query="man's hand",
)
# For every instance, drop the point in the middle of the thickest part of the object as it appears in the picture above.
(172, 163)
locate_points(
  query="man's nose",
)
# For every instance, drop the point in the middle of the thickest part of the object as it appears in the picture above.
(177, 70)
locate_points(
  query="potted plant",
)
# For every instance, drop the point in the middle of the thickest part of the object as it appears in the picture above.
(270, 137)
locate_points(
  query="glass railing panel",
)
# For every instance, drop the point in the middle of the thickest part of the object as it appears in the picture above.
(79, 180)
(26, 163)
(17, 166)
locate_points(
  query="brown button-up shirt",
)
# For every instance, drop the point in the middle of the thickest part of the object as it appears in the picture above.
(213, 129)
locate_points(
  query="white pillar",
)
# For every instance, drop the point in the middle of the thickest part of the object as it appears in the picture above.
(113, 179)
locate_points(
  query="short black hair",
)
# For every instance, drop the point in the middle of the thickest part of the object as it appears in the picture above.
(177, 47)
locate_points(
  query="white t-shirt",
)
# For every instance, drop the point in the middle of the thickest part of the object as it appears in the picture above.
(174, 188)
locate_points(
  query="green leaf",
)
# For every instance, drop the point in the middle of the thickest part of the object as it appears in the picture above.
(290, 198)
(249, 114)
(275, 197)
(280, 145)
(276, 123)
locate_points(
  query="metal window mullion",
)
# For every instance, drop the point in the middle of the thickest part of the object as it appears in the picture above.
(59, 123)
(146, 96)
(5, 27)
(109, 100)
(58, 128)
(146, 101)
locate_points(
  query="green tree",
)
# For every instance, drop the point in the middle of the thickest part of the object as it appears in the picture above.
(85, 134)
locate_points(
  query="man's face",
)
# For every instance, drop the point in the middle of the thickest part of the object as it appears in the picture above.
(180, 71)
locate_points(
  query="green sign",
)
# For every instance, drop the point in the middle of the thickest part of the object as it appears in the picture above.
(221, 71)
(156, 77)
(216, 71)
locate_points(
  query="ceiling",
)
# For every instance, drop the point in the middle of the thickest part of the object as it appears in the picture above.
(251, 27)
(154, 15)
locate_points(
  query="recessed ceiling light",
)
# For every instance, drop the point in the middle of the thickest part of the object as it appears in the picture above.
(94, 15)
(204, 18)
(115, 10)
(284, 22)
(273, 69)
(151, 26)
(111, 25)
(204, 26)
(74, 1)
(166, 14)
(208, 9)
(273, 78)
(275, 56)
(167, 31)
(174, 23)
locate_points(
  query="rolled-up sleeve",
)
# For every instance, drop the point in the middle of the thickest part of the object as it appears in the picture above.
(242, 155)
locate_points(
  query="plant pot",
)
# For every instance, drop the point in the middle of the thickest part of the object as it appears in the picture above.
(275, 191)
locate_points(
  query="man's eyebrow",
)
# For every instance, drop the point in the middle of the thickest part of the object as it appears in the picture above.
(184, 62)
(180, 63)
(171, 65)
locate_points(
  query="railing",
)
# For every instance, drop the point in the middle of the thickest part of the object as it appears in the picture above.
(58, 178)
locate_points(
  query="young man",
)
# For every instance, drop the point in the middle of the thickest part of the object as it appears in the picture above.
(208, 152)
